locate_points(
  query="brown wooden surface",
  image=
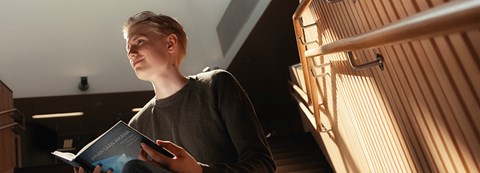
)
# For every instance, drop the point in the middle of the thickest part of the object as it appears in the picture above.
(421, 114)
(7, 138)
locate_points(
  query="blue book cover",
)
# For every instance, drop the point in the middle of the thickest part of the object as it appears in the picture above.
(112, 149)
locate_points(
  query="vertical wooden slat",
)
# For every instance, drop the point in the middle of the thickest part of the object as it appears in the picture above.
(3, 136)
(473, 45)
(469, 60)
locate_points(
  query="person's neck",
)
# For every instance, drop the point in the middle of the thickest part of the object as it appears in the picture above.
(167, 85)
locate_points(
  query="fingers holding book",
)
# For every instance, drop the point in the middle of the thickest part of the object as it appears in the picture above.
(148, 154)
(181, 162)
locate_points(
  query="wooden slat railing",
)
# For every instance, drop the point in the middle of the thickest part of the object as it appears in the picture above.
(450, 17)
(430, 100)
(9, 112)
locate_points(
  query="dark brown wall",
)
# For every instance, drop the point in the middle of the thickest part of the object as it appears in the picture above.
(101, 111)
(261, 66)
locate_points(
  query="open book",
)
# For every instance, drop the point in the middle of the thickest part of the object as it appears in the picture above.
(112, 149)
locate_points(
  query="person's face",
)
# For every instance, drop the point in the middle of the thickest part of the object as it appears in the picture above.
(147, 51)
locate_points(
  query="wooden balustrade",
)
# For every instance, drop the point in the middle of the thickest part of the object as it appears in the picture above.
(419, 114)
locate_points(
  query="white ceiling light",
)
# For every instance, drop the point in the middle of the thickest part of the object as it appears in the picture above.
(57, 115)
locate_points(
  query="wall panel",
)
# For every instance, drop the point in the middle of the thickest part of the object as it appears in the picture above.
(7, 138)
(419, 114)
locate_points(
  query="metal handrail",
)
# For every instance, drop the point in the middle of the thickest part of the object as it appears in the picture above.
(22, 126)
(378, 62)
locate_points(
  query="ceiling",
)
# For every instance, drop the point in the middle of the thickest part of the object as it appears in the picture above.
(46, 46)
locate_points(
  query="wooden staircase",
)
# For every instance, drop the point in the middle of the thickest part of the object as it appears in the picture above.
(298, 153)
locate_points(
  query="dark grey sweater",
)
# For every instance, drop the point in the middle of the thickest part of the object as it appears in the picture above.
(213, 119)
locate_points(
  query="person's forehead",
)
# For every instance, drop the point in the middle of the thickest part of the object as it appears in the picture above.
(142, 30)
(138, 30)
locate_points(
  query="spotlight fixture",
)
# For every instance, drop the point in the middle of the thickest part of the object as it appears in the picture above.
(83, 85)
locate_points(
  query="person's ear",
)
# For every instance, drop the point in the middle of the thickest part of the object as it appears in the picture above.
(172, 42)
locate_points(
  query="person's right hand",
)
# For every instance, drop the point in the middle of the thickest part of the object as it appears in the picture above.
(182, 162)
(98, 169)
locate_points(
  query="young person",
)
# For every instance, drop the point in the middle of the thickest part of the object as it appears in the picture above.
(206, 120)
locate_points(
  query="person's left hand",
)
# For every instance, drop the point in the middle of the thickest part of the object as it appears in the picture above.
(182, 162)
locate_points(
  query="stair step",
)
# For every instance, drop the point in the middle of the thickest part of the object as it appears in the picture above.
(311, 152)
(301, 167)
(298, 153)
(299, 159)
(292, 143)
(297, 137)
(295, 147)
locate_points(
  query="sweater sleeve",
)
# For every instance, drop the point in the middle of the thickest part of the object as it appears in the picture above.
(242, 125)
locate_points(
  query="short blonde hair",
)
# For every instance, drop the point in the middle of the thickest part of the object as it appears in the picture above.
(161, 23)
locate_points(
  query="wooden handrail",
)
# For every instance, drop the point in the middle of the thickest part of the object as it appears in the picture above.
(8, 125)
(22, 126)
(309, 81)
(301, 49)
(451, 17)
